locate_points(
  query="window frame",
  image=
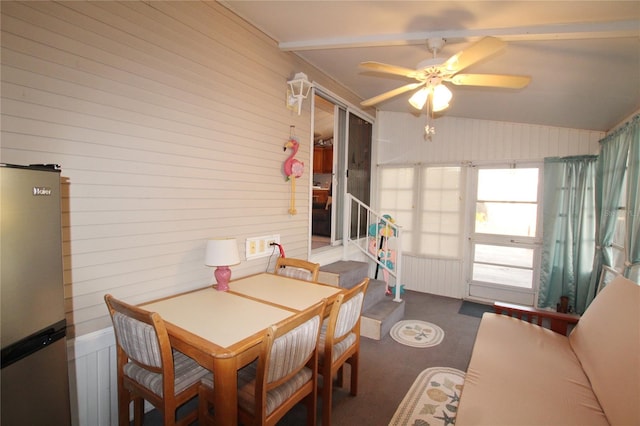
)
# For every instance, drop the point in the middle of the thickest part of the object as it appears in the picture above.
(413, 232)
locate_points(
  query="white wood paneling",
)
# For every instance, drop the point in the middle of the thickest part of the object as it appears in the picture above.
(401, 140)
(458, 140)
(168, 120)
(435, 276)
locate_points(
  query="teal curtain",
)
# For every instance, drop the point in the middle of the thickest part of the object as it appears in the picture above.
(612, 166)
(568, 231)
(632, 264)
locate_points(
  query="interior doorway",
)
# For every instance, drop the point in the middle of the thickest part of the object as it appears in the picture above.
(324, 143)
(342, 146)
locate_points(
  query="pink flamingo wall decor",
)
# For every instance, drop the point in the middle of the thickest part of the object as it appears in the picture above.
(293, 169)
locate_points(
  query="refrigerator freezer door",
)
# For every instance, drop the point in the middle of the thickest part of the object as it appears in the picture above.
(31, 283)
(35, 390)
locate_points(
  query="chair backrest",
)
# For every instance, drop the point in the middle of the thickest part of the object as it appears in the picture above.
(142, 338)
(288, 349)
(345, 314)
(297, 268)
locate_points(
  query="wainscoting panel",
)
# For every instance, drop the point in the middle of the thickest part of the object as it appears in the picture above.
(435, 276)
(92, 376)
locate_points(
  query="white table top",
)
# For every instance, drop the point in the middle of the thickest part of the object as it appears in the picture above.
(283, 291)
(217, 316)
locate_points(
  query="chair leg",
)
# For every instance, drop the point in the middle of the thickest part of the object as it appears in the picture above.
(138, 411)
(204, 416)
(312, 408)
(327, 391)
(340, 376)
(353, 363)
(124, 398)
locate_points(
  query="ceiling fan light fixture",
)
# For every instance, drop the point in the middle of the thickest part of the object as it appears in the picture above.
(441, 97)
(419, 98)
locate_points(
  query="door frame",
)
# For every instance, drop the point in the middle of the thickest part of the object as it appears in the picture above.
(497, 292)
(340, 161)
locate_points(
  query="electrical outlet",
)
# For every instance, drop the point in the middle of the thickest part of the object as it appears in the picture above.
(257, 247)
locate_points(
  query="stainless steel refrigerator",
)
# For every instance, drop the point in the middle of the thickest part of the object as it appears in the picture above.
(34, 375)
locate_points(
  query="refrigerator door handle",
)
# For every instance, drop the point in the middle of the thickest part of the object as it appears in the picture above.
(37, 341)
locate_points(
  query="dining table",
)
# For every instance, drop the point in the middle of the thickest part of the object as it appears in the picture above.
(222, 330)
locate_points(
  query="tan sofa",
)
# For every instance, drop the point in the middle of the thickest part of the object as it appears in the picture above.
(522, 374)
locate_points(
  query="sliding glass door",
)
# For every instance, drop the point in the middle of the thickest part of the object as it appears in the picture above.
(359, 167)
(342, 163)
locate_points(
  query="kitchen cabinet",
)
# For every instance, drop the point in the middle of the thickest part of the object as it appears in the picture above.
(320, 196)
(323, 159)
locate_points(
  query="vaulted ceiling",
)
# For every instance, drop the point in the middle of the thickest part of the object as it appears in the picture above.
(583, 56)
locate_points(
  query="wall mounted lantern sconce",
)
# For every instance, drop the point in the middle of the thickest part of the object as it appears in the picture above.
(297, 91)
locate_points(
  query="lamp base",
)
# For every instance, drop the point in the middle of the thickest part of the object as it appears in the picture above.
(223, 275)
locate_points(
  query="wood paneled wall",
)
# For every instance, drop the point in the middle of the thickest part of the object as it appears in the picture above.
(168, 120)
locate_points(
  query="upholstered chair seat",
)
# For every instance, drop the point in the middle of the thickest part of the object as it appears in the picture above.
(187, 372)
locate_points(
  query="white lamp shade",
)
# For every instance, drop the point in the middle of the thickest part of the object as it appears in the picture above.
(419, 98)
(441, 97)
(222, 252)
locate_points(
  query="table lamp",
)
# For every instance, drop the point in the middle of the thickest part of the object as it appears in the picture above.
(222, 253)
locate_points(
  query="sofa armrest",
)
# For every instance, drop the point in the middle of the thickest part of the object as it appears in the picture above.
(559, 322)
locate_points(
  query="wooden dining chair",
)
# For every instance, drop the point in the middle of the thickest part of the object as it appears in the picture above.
(284, 373)
(339, 344)
(148, 368)
(297, 268)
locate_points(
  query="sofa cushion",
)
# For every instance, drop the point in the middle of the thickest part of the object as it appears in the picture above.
(523, 374)
(607, 343)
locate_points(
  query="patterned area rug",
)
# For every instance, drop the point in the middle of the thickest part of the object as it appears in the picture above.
(419, 334)
(432, 399)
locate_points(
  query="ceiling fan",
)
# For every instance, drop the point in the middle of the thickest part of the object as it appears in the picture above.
(432, 73)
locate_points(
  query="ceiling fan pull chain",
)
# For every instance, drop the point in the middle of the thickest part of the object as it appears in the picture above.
(429, 130)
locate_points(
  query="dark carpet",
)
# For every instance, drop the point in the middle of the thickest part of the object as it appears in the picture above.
(388, 368)
(474, 309)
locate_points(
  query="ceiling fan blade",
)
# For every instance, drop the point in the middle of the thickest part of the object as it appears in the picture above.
(388, 69)
(481, 49)
(390, 94)
(491, 80)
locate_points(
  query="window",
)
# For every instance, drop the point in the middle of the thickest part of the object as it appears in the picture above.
(507, 202)
(427, 202)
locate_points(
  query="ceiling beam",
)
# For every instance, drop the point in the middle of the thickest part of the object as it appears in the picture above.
(577, 31)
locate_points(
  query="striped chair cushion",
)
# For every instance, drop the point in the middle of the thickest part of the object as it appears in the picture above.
(347, 318)
(348, 315)
(292, 349)
(301, 274)
(275, 397)
(186, 371)
(338, 348)
(138, 339)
